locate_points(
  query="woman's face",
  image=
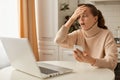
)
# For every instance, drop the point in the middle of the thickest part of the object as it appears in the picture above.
(87, 20)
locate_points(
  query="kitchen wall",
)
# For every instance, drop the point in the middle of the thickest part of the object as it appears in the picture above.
(9, 18)
(46, 18)
(62, 13)
(111, 13)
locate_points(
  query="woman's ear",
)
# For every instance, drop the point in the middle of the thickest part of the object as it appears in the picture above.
(96, 18)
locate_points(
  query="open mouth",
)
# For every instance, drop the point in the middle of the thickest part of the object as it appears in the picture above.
(82, 23)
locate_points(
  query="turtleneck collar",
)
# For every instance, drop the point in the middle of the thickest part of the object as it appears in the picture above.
(92, 31)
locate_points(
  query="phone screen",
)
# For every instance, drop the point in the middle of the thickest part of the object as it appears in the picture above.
(78, 47)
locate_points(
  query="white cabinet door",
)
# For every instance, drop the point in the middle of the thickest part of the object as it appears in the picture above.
(66, 54)
(48, 52)
(47, 26)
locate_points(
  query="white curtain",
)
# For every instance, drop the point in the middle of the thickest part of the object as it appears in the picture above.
(4, 61)
(8, 25)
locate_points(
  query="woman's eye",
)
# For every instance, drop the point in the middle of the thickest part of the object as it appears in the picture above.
(78, 17)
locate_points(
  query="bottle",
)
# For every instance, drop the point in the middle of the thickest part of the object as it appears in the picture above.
(118, 34)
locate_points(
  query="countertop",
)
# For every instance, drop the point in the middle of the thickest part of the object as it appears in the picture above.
(118, 45)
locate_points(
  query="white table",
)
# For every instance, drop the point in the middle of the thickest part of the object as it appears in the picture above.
(82, 71)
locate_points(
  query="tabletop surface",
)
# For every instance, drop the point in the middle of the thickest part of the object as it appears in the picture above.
(81, 71)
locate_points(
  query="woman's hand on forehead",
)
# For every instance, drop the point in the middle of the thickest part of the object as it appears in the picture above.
(83, 8)
(79, 11)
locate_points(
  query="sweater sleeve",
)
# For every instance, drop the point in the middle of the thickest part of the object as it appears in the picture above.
(64, 39)
(111, 54)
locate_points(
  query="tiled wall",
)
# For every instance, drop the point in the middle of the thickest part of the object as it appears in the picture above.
(111, 13)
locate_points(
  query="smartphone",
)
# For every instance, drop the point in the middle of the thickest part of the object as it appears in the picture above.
(78, 47)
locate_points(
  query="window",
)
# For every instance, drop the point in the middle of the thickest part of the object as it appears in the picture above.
(9, 18)
(9, 25)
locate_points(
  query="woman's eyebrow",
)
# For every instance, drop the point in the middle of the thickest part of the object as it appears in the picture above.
(85, 13)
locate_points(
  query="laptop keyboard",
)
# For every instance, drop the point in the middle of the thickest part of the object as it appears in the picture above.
(47, 71)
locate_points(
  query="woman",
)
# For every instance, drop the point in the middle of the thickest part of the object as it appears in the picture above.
(97, 41)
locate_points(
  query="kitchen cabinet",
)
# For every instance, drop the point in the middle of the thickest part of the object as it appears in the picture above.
(66, 54)
(47, 27)
(117, 69)
(117, 72)
(48, 52)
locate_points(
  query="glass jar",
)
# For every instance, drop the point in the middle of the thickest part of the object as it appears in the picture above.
(118, 34)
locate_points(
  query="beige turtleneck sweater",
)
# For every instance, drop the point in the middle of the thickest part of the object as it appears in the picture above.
(96, 41)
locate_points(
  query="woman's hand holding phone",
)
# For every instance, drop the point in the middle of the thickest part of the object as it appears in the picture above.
(82, 56)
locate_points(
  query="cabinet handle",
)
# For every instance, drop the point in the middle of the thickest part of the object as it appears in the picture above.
(70, 54)
(47, 54)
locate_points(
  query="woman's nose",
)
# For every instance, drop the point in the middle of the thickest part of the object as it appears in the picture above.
(81, 19)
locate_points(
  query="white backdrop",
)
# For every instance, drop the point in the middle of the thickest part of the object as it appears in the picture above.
(8, 25)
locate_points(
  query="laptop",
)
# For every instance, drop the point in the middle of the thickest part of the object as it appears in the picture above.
(22, 58)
